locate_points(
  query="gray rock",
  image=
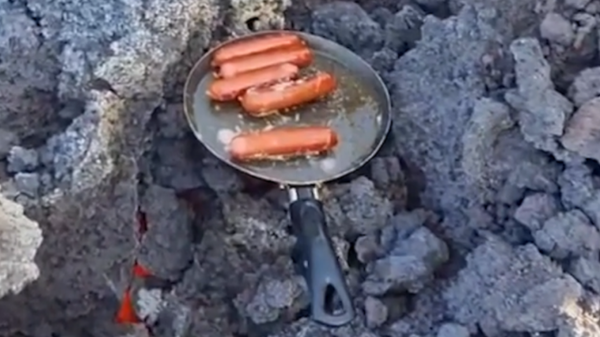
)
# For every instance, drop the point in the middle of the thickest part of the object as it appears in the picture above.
(220, 177)
(557, 29)
(21, 159)
(383, 60)
(577, 4)
(358, 208)
(412, 257)
(581, 135)
(7, 140)
(375, 311)
(592, 208)
(431, 4)
(431, 96)
(175, 165)
(587, 272)
(543, 111)
(453, 330)
(536, 209)
(568, 234)
(166, 247)
(496, 272)
(381, 15)
(489, 119)
(21, 238)
(576, 185)
(404, 29)
(255, 225)
(585, 87)
(367, 248)
(348, 24)
(272, 298)
(28, 184)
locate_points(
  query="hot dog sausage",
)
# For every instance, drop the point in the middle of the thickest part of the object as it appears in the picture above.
(227, 89)
(297, 56)
(283, 143)
(254, 46)
(266, 101)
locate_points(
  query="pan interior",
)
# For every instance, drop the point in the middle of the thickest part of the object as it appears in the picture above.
(358, 111)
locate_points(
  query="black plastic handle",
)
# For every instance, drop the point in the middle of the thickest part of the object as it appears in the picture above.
(330, 299)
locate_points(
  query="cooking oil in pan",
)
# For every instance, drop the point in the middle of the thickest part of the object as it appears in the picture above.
(352, 110)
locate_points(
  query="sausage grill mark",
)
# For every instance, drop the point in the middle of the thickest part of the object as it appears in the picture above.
(266, 101)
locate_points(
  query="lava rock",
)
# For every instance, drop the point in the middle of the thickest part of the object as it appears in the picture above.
(254, 224)
(368, 248)
(576, 185)
(568, 234)
(489, 120)
(375, 311)
(21, 237)
(577, 4)
(557, 29)
(542, 110)
(431, 95)
(585, 87)
(494, 272)
(404, 29)
(581, 134)
(7, 140)
(413, 254)
(220, 177)
(587, 272)
(166, 247)
(362, 207)
(28, 184)
(382, 15)
(348, 24)
(432, 5)
(21, 159)
(536, 209)
(592, 208)
(272, 299)
(174, 167)
(453, 330)
(383, 60)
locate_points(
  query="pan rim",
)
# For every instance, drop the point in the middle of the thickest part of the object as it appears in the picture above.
(189, 96)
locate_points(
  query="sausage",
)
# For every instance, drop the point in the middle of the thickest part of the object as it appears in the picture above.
(227, 89)
(254, 46)
(283, 143)
(300, 57)
(267, 101)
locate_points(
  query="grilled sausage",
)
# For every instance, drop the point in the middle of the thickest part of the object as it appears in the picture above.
(255, 46)
(283, 143)
(227, 89)
(267, 101)
(300, 57)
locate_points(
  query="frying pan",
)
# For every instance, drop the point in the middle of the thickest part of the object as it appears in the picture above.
(359, 111)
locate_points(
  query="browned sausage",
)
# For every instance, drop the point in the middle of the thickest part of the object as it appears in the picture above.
(267, 101)
(228, 89)
(254, 46)
(297, 56)
(283, 143)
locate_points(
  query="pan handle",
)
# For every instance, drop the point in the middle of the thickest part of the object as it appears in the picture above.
(330, 299)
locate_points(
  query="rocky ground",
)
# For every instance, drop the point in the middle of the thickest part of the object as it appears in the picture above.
(480, 217)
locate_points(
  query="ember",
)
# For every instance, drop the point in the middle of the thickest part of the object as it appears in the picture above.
(479, 217)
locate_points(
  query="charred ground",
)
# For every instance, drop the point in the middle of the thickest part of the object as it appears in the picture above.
(480, 217)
